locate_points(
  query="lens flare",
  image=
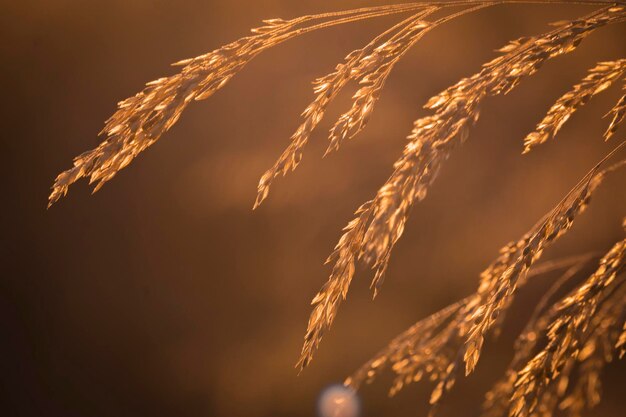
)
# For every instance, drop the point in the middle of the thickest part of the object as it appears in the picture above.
(338, 401)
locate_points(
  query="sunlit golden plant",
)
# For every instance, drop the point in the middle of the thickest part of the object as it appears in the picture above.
(574, 336)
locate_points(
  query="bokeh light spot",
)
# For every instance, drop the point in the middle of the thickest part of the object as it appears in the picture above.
(338, 401)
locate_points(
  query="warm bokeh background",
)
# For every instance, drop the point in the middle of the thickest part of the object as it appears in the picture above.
(165, 295)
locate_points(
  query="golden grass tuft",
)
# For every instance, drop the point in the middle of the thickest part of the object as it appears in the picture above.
(582, 331)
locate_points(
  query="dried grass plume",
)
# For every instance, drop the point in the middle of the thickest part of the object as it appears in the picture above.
(567, 339)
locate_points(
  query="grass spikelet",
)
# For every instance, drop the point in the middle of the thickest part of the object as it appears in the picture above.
(326, 303)
(600, 77)
(617, 113)
(596, 352)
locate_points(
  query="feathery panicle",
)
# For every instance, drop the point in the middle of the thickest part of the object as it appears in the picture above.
(420, 352)
(456, 109)
(439, 345)
(581, 331)
(431, 142)
(373, 81)
(596, 347)
(358, 65)
(497, 290)
(327, 301)
(571, 337)
(142, 119)
(430, 348)
(370, 66)
(618, 114)
(599, 79)
(596, 352)
(497, 399)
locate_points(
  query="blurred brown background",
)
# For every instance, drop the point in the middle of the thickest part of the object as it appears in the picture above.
(165, 295)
